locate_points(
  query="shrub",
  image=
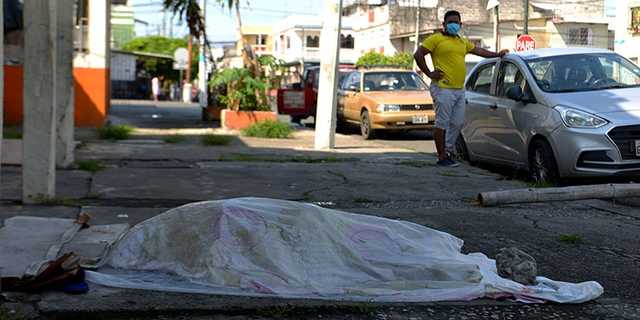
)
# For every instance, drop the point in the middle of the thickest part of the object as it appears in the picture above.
(174, 139)
(268, 129)
(90, 165)
(243, 90)
(216, 140)
(117, 132)
(400, 60)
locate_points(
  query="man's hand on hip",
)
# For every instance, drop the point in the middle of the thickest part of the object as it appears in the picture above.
(435, 75)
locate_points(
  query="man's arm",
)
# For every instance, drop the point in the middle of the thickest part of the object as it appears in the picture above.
(419, 56)
(488, 54)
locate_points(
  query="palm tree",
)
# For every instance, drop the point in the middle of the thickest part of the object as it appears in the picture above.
(190, 11)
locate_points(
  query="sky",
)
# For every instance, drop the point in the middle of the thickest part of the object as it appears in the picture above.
(221, 22)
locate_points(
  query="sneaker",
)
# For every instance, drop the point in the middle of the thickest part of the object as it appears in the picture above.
(448, 163)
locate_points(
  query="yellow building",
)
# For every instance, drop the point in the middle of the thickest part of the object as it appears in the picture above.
(259, 37)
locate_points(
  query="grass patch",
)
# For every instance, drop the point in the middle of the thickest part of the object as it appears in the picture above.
(362, 200)
(268, 129)
(9, 315)
(295, 159)
(176, 138)
(417, 163)
(453, 174)
(277, 312)
(571, 238)
(56, 201)
(216, 140)
(117, 132)
(90, 165)
(11, 133)
(540, 185)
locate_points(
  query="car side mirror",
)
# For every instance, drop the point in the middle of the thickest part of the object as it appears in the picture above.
(515, 93)
(352, 88)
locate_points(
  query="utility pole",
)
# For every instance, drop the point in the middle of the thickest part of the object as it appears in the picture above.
(325, 136)
(186, 89)
(164, 22)
(1, 80)
(202, 65)
(526, 17)
(417, 35)
(496, 27)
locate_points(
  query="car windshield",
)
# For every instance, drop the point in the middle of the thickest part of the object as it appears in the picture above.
(584, 72)
(316, 78)
(393, 81)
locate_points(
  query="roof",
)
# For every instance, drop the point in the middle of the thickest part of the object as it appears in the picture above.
(256, 29)
(143, 54)
(550, 52)
(304, 22)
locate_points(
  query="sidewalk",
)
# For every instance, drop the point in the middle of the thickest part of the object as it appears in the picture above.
(144, 176)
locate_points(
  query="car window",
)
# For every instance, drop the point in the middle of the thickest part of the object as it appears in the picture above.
(393, 81)
(510, 76)
(356, 81)
(347, 80)
(481, 80)
(584, 72)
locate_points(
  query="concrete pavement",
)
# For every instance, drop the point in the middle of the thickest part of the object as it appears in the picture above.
(144, 176)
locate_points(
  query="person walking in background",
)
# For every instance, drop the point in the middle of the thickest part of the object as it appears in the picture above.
(448, 50)
(155, 88)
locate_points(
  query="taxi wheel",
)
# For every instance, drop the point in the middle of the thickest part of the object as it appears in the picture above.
(461, 149)
(365, 125)
(543, 168)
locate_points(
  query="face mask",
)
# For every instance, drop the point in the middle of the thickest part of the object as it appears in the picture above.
(453, 28)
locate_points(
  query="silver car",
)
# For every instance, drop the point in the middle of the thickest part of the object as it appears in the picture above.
(557, 112)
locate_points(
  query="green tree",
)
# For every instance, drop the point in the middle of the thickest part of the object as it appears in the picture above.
(160, 45)
(401, 60)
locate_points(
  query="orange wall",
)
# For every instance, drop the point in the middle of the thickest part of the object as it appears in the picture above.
(91, 96)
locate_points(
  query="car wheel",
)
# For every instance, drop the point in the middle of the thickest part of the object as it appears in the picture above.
(461, 149)
(543, 167)
(365, 125)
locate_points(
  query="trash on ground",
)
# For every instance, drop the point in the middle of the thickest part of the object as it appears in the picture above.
(266, 247)
(515, 264)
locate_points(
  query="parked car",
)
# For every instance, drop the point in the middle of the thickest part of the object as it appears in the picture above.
(385, 99)
(300, 100)
(558, 112)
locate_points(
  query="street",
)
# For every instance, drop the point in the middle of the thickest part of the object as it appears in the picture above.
(571, 241)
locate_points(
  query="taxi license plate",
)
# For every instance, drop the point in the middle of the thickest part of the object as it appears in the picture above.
(425, 119)
(637, 148)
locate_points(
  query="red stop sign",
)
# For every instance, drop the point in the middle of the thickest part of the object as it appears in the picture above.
(525, 42)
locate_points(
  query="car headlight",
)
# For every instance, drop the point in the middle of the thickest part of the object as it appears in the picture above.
(574, 118)
(388, 108)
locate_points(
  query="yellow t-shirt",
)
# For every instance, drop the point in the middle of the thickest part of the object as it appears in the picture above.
(448, 54)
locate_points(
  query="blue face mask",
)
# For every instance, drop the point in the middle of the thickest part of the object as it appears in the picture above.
(453, 28)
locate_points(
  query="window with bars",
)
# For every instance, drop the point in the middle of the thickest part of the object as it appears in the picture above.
(313, 42)
(635, 20)
(580, 36)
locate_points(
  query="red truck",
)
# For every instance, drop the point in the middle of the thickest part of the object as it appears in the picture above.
(301, 99)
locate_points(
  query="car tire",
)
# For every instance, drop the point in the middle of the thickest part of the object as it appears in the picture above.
(461, 149)
(365, 126)
(543, 167)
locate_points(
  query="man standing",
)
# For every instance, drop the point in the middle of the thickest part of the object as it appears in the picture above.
(448, 49)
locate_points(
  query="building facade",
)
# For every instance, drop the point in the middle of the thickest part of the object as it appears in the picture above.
(91, 62)
(122, 23)
(627, 29)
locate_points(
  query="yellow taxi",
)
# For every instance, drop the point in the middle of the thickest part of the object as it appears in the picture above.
(385, 99)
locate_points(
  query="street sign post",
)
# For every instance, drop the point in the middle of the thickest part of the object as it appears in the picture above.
(525, 42)
(180, 62)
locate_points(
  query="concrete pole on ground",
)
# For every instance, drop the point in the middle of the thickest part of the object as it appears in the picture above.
(1, 82)
(64, 84)
(526, 17)
(39, 123)
(202, 66)
(325, 136)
